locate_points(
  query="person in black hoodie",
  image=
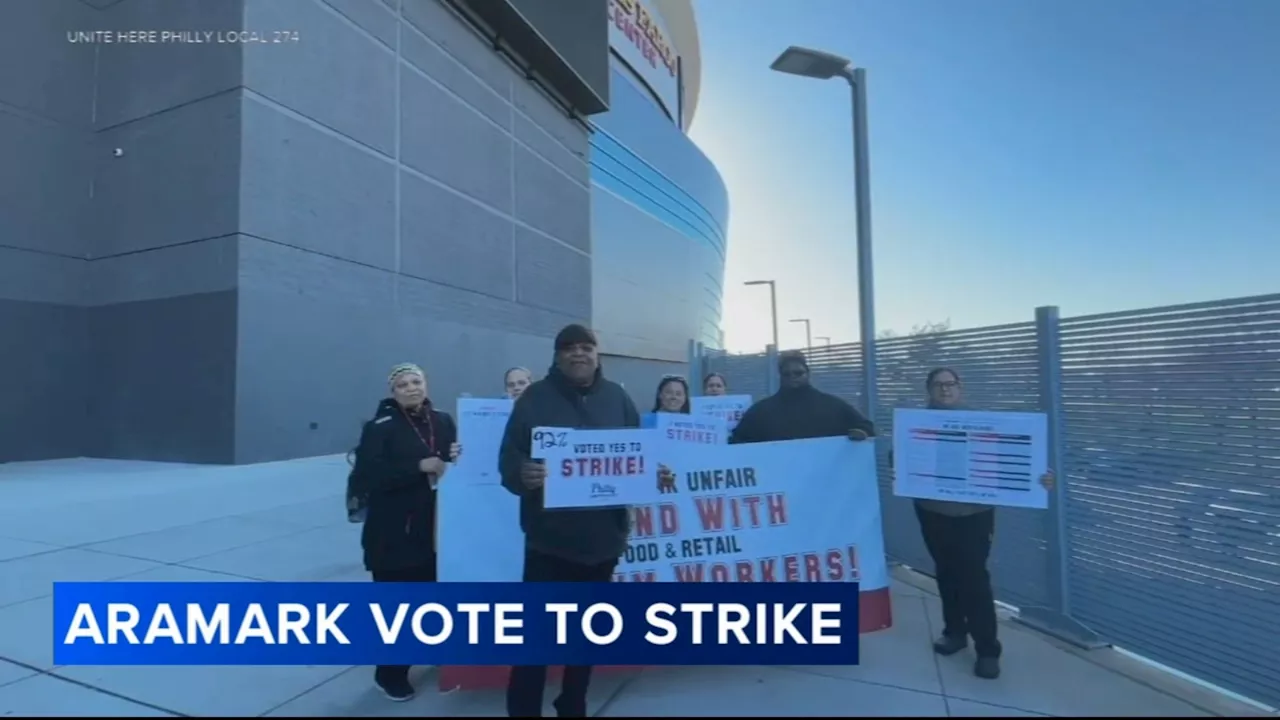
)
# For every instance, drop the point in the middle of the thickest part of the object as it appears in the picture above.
(799, 411)
(404, 451)
(577, 545)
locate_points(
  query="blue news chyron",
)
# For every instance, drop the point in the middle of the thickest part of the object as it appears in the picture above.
(255, 623)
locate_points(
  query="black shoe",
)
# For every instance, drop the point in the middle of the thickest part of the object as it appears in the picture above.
(396, 690)
(987, 668)
(950, 644)
(564, 711)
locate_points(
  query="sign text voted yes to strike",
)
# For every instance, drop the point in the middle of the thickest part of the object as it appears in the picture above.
(294, 623)
(615, 459)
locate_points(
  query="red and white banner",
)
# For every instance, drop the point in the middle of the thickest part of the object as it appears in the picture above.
(796, 511)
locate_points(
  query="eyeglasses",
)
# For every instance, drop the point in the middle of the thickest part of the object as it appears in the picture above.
(798, 372)
(947, 385)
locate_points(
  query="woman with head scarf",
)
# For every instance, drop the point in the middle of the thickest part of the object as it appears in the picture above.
(714, 385)
(404, 452)
(515, 381)
(672, 396)
(958, 537)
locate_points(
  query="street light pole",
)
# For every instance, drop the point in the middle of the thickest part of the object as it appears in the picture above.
(773, 306)
(862, 206)
(826, 340)
(808, 337)
(824, 66)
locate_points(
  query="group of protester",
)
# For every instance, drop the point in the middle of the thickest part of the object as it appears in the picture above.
(406, 449)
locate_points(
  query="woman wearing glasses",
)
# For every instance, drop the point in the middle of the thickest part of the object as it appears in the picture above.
(959, 536)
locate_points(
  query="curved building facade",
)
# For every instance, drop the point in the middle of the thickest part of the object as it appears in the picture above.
(659, 207)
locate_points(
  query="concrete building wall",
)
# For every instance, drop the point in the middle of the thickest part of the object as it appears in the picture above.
(46, 131)
(437, 211)
(283, 223)
(640, 376)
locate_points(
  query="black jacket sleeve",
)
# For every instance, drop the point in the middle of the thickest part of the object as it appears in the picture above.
(380, 471)
(856, 421)
(630, 414)
(448, 435)
(516, 448)
(749, 428)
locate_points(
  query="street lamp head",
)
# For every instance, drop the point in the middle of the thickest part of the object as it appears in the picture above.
(803, 320)
(811, 63)
(758, 282)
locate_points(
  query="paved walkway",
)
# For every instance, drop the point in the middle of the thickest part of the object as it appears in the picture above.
(107, 520)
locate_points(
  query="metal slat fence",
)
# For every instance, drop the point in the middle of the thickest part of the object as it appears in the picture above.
(1173, 462)
(1169, 462)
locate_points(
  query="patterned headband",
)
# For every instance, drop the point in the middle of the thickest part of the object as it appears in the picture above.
(404, 369)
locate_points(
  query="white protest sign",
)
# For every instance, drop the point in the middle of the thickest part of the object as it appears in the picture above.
(728, 407)
(598, 468)
(987, 458)
(702, 429)
(481, 423)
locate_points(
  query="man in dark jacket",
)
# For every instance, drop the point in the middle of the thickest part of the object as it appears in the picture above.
(576, 545)
(799, 411)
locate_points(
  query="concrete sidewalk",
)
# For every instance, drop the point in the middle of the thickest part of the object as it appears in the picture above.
(109, 520)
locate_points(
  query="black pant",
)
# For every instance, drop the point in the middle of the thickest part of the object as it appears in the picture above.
(527, 682)
(388, 674)
(959, 546)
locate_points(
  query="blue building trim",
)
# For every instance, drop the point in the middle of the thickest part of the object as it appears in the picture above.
(616, 168)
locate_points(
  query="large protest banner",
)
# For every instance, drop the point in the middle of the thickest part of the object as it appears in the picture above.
(798, 511)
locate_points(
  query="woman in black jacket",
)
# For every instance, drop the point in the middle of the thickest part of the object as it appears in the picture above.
(404, 452)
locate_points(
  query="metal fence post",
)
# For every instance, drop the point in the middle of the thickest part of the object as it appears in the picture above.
(771, 368)
(695, 365)
(1055, 618)
(702, 367)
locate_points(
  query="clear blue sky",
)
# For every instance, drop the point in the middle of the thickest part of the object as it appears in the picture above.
(1097, 155)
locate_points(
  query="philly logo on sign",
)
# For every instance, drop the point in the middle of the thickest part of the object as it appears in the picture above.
(603, 490)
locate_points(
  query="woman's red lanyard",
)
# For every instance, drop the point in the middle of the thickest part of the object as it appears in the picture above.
(431, 445)
(431, 428)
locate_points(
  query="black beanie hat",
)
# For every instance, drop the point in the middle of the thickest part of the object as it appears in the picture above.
(574, 334)
(790, 357)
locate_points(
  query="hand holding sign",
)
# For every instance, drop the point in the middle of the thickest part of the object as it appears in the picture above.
(533, 473)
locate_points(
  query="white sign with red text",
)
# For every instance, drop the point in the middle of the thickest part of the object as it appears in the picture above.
(699, 429)
(597, 468)
(730, 408)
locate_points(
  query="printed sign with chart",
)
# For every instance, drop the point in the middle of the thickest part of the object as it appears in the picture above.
(480, 426)
(597, 468)
(989, 458)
